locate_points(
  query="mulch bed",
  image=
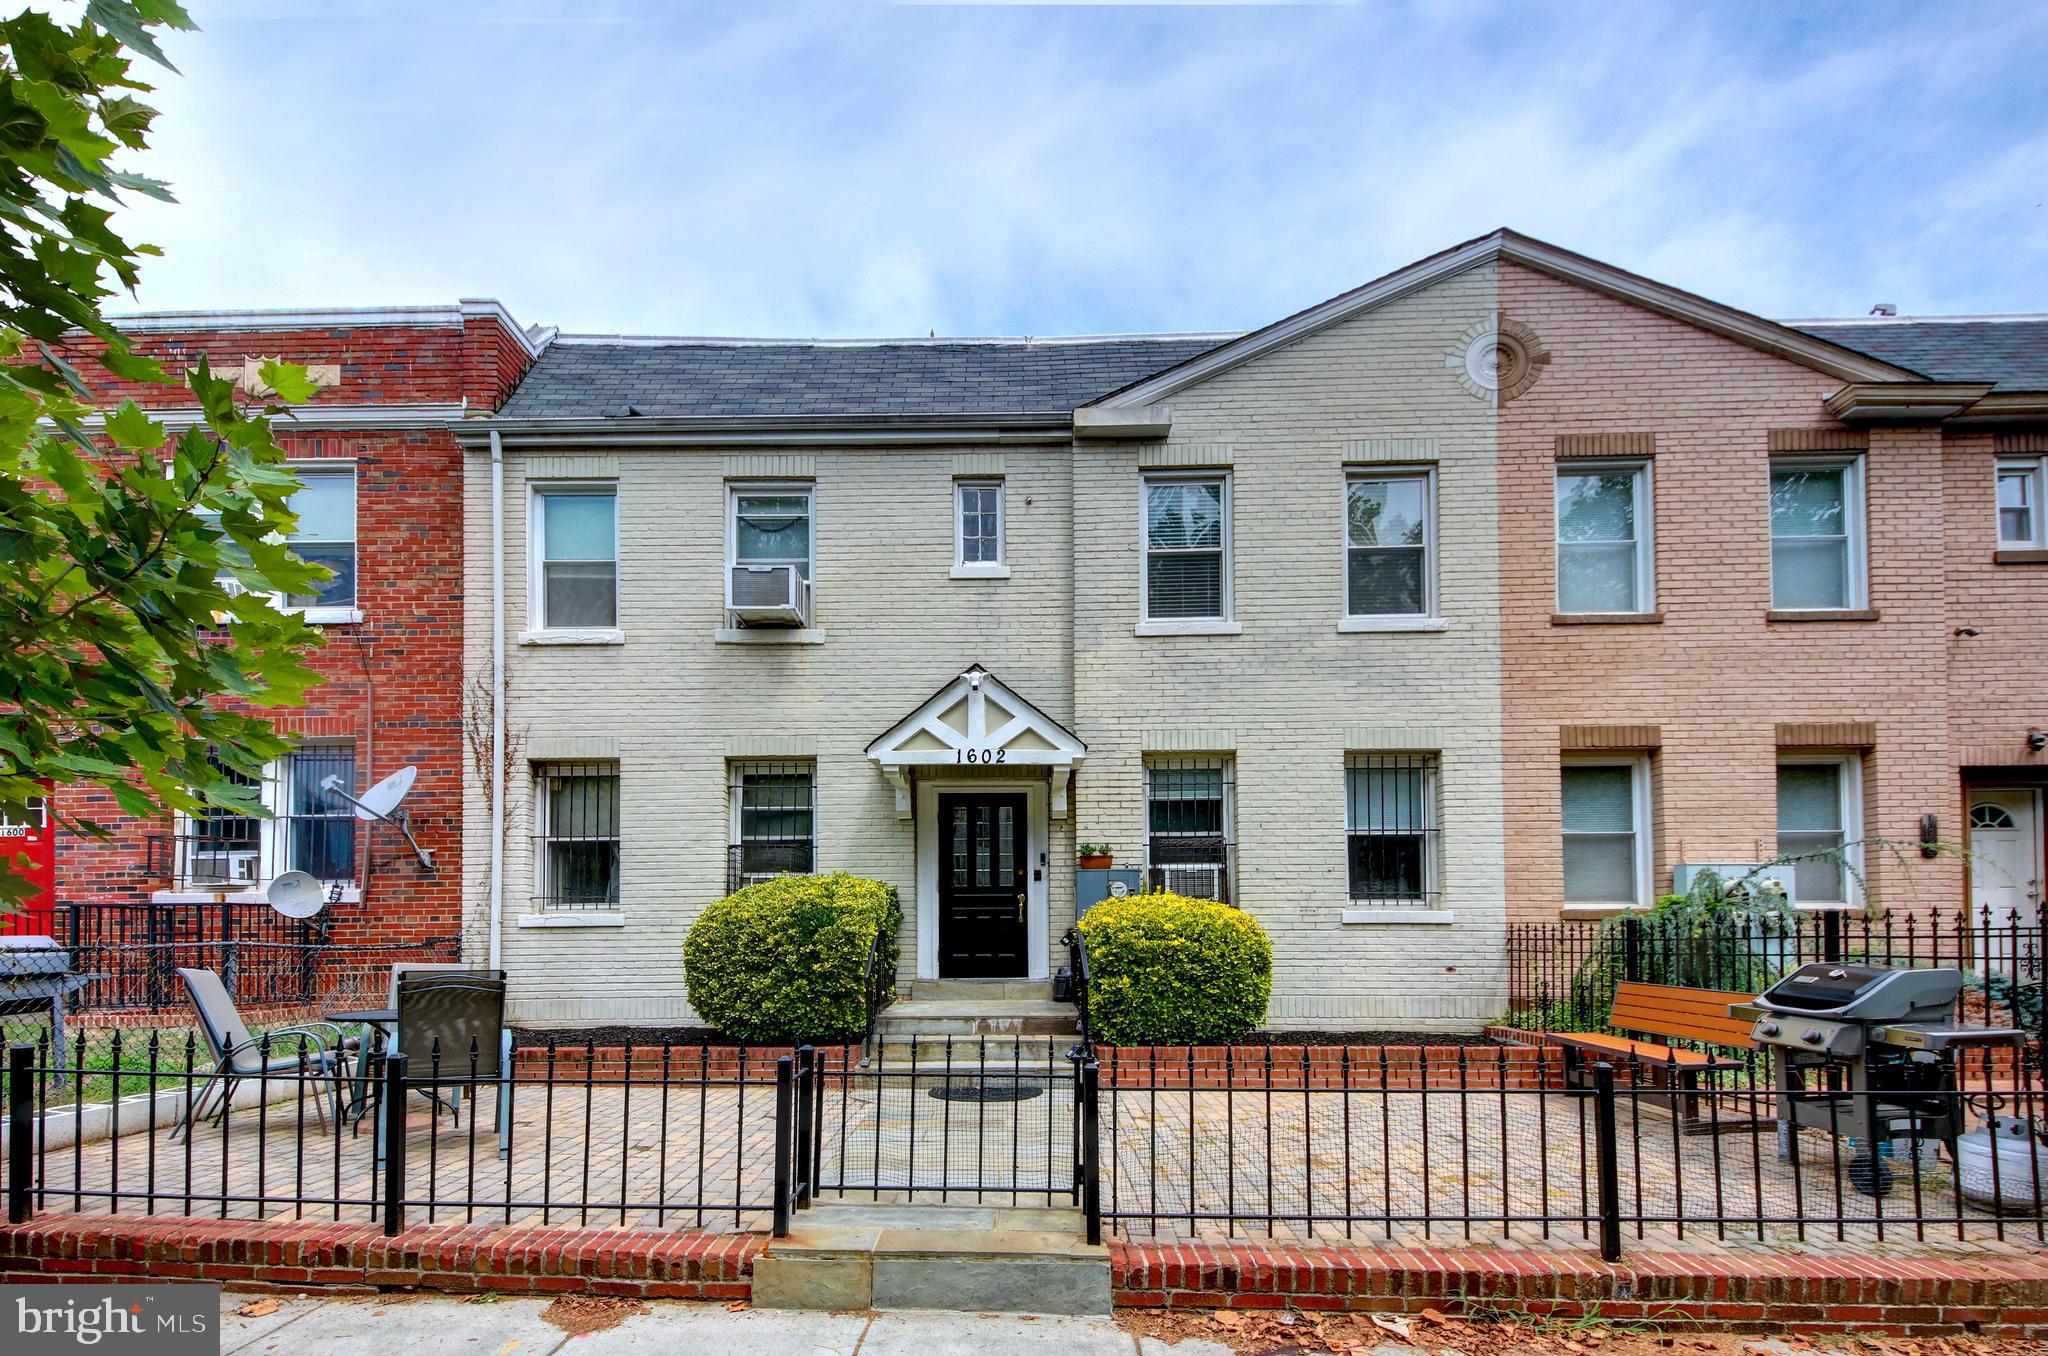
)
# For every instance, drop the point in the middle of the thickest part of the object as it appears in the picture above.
(704, 1035)
(1430, 1038)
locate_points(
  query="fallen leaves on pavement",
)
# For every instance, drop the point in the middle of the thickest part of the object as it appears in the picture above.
(576, 1314)
(259, 1308)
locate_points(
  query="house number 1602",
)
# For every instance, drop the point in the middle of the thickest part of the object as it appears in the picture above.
(981, 755)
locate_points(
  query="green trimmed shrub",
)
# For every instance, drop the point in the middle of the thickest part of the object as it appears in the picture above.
(1167, 969)
(783, 960)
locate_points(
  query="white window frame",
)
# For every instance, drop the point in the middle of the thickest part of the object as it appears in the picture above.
(322, 614)
(736, 770)
(1226, 623)
(1427, 618)
(2032, 469)
(1224, 763)
(1851, 791)
(545, 770)
(536, 585)
(1638, 765)
(963, 568)
(272, 845)
(1645, 505)
(1430, 763)
(1854, 525)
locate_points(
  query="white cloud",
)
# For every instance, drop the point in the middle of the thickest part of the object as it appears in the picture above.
(860, 170)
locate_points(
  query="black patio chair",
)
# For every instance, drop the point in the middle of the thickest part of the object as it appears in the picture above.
(321, 1051)
(451, 1030)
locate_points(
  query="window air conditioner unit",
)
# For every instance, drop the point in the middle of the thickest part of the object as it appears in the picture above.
(224, 866)
(1195, 880)
(768, 595)
(1685, 874)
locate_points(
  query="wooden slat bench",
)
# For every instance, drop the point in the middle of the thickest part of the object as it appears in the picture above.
(1661, 1013)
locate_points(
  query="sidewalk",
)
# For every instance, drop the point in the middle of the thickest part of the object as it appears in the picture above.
(434, 1326)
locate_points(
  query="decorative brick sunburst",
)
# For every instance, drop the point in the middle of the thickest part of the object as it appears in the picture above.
(1497, 359)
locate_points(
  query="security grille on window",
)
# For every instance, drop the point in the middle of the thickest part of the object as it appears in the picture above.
(319, 827)
(773, 822)
(577, 539)
(1817, 826)
(979, 519)
(1816, 536)
(1386, 546)
(576, 822)
(1187, 550)
(1390, 822)
(325, 503)
(220, 846)
(1190, 843)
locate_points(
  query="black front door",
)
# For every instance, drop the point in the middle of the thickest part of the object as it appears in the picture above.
(982, 889)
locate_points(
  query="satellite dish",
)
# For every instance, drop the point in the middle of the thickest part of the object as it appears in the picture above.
(380, 805)
(296, 894)
(380, 800)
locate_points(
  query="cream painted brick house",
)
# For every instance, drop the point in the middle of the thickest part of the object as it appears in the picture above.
(938, 612)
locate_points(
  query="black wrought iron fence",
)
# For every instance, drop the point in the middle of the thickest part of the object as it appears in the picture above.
(1562, 976)
(134, 950)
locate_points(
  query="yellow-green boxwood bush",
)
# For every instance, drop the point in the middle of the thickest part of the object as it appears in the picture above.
(783, 960)
(1164, 968)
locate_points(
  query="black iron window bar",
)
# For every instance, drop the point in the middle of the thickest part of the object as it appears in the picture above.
(576, 839)
(1390, 830)
(774, 822)
(314, 831)
(1190, 821)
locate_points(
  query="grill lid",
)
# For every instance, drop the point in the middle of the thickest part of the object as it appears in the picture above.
(1865, 993)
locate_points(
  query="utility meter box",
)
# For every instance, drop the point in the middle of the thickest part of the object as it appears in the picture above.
(1092, 886)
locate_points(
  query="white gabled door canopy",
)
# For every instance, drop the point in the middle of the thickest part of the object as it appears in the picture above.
(976, 721)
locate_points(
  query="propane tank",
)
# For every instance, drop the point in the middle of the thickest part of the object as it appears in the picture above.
(2000, 1164)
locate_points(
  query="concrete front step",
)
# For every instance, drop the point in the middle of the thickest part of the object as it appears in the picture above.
(923, 1256)
(977, 1017)
(953, 990)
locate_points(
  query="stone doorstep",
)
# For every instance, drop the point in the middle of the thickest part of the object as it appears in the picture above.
(950, 990)
(1002, 1259)
(977, 1017)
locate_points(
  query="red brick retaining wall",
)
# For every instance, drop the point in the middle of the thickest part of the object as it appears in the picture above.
(683, 1061)
(1330, 1066)
(461, 1258)
(2002, 1296)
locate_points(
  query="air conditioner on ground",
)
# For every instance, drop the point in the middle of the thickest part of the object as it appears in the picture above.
(768, 595)
(1685, 874)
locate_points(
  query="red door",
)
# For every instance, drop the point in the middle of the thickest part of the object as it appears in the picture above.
(37, 841)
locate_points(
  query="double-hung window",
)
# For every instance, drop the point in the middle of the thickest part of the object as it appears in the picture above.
(1389, 539)
(309, 829)
(1390, 829)
(319, 828)
(576, 556)
(773, 527)
(978, 529)
(1817, 534)
(325, 503)
(1604, 558)
(1187, 549)
(1190, 821)
(1819, 814)
(1606, 814)
(2020, 525)
(773, 819)
(576, 835)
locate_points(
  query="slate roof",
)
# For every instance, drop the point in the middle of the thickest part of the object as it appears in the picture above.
(589, 379)
(2010, 351)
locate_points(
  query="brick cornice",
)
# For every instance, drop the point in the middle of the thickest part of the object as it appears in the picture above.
(1576, 446)
(2020, 442)
(1827, 734)
(1576, 738)
(1819, 440)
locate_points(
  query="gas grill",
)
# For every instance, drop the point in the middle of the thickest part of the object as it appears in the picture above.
(1869, 1052)
(36, 976)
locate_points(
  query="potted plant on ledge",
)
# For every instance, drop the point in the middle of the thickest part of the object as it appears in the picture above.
(1095, 856)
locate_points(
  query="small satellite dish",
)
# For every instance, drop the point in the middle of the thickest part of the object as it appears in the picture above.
(296, 894)
(380, 805)
(380, 800)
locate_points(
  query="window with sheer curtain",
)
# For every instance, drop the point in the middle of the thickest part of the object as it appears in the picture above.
(576, 541)
(1388, 539)
(1816, 536)
(1606, 832)
(2019, 504)
(1187, 548)
(1603, 539)
(1817, 812)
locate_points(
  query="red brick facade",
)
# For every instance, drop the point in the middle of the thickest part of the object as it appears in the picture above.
(393, 679)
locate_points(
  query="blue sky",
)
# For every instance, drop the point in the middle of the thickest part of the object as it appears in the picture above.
(861, 169)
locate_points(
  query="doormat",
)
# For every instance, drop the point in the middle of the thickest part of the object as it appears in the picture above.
(989, 1090)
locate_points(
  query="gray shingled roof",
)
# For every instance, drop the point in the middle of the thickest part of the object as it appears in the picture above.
(587, 380)
(2011, 352)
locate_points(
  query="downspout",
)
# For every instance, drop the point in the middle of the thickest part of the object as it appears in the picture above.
(497, 697)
